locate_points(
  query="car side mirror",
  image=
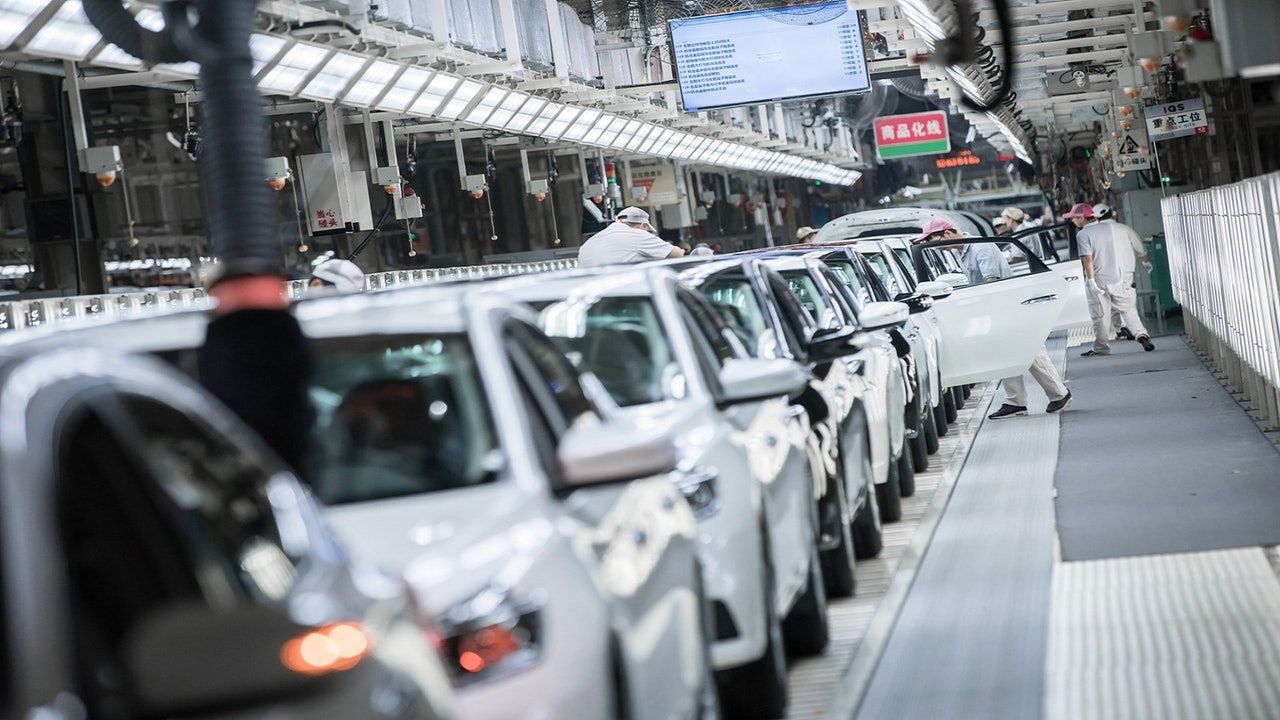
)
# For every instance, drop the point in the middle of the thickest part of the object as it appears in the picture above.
(935, 289)
(881, 315)
(613, 451)
(834, 343)
(744, 380)
(954, 279)
(917, 303)
(187, 659)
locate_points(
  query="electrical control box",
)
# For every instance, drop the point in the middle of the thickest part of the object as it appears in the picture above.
(386, 176)
(104, 159)
(538, 187)
(409, 207)
(334, 203)
(277, 168)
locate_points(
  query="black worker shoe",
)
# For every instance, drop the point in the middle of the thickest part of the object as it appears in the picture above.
(1058, 405)
(1124, 334)
(1145, 342)
(1093, 353)
(1007, 410)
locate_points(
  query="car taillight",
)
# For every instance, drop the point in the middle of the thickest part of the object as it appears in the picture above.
(328, 649)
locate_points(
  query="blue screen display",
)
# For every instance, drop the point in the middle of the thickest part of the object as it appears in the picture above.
(758, 56)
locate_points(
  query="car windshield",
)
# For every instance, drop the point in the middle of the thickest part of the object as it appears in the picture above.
(398, 415)
(621, 341)
(736, 302)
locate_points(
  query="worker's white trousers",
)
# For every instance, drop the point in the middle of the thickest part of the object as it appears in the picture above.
(1121, 299)
(1044, 373)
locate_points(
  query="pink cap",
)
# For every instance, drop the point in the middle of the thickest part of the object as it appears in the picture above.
(1079, 210)
(935, 225)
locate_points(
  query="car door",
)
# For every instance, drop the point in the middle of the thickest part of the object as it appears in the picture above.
(995, 329)
(641, 532)
(1075, 307)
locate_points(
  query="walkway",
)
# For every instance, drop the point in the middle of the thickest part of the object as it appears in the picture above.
(1143, 591)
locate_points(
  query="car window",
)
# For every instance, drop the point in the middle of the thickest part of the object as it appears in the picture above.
(551, 374)
(621, 340)
(736, 301)
(880, 264)
(903, 256)
(811, 298)
(797, 323)
(842, 270)
(843, 297)
(398, 415)
(721, 341)
(156, 509)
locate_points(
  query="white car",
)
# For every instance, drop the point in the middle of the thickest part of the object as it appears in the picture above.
(923, 332)
(853, 271)
(667, 360)
(897, 221)
(758, 304)
(456, 445)
(874, 371)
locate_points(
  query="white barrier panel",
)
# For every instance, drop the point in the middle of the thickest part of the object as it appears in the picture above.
(49, 311)
(1224, 262)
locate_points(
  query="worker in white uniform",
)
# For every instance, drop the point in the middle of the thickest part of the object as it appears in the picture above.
(983, 263)
(1105, 213)
(629, 240)
(1105, 250)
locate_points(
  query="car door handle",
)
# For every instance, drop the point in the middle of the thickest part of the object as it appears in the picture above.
(698, 485)
(1072, 278)
(1040, 299)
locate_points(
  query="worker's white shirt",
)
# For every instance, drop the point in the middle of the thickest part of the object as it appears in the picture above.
(1128, 246)
(619, 244)
(1102, 241)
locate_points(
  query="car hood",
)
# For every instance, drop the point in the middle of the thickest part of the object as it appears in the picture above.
(447, 545)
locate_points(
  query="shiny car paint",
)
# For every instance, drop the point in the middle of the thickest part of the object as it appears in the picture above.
(754, 451)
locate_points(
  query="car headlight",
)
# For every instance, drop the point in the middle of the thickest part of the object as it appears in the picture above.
(494, 634)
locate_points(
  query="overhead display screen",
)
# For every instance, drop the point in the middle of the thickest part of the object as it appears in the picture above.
(759, 56)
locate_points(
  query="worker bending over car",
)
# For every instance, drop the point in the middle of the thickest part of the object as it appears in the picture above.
(630, 239)
(983, 262)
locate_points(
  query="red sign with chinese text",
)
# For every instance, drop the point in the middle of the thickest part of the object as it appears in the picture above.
(915, 134)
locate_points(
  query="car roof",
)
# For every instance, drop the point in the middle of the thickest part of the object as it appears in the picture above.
(789, 261)
(912, 218)
(631, 281)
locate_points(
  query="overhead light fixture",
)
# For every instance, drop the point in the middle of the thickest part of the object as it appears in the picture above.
(289, 73)
(404, 90)
(336, 75)
(434, 94)
(462, 97)
(67, 35)
(371, 83)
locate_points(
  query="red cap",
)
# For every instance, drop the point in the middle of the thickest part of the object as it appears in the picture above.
(1079, 210)
(935, 225)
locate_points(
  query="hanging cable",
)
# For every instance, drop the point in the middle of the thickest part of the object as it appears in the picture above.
(386, 210)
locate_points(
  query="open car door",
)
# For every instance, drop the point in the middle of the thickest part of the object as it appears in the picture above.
(1075, 308)
(995, 329)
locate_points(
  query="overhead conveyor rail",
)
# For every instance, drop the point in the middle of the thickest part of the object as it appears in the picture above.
(1224, 257)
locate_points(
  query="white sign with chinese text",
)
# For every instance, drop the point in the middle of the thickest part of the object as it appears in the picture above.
(1177, 119)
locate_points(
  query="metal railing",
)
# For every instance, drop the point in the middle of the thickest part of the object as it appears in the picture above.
(1224, 258)
(51, 311)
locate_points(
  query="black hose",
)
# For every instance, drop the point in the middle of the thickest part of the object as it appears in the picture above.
(118, 26)
(1006, 81)
(386, 211)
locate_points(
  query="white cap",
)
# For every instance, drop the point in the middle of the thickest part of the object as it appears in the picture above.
(1102, 210)
(999, 221)
(344, 275)
(634, 215)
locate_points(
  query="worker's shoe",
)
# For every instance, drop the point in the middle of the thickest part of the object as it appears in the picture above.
(1124, 334)
(1007, 410)
(1092, 353)
(1058, 405)
(1145, 342)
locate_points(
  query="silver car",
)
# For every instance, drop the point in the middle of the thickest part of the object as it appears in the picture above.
(157, 561)
(457, 446)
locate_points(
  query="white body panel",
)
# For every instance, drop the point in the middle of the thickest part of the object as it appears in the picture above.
(994, 331)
